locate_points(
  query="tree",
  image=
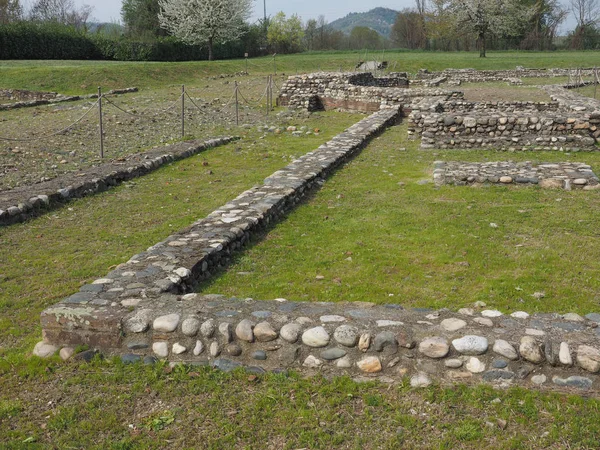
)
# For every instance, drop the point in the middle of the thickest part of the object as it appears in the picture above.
(587, 15)
(542, 28)
(199, 22)
(60, 11)
(408, 30)
(140, 18)
(365, 37)
(285, 35)
(310, 34)
(485, 17)
(586, 12)
(10, 11)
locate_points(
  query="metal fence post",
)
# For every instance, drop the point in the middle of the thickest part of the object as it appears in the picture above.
(101, 128)
(271, 93)
(267, 101)
(182, 111)
(237, 111)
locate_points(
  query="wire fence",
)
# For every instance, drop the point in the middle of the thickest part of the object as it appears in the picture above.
(249, 98)
(242, 103)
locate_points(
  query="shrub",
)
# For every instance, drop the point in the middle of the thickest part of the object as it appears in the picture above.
(27, 40)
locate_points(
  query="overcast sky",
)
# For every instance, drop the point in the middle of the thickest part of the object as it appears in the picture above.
(110, 10)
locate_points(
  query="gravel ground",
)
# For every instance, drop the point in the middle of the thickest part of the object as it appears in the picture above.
(132, 123)
(23, 193)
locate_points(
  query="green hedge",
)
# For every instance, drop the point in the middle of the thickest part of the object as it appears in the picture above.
(28, 40)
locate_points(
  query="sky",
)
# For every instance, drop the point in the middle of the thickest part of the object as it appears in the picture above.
(110, 10)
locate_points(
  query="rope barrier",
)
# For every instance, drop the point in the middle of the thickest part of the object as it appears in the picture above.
(227, 104)
(257, 102)
(275, 84)
(152, 113)
(175, 103)
(193, 102)
(38, 138)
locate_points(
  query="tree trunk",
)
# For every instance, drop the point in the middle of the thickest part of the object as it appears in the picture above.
(481, 40)
(210, 49)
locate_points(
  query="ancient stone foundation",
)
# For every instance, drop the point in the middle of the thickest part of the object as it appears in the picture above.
(30, 98)
(142, 310)
(442, 119)
(504, 131)
(551, 175)
(457, 76)
(356, 338)
(14, 207)
(95, 315)
(354, 92)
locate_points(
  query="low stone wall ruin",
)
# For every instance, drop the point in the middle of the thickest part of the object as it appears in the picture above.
(30, 98)
(571, 101)
(565, 175)
(364, 339)
(353, 92)
(88, 183)
(142, 312)
(96, 314)
(501, 107)
(478, 76)
(510, 131)
(441, 118)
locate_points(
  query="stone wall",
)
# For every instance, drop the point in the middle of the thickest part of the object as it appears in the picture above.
(462, 106)
(21, 95)
(141, 310)
(565, 175)
(570, 100)
(570, 122)
(96, 313)
(510, 131)
(365, 339)
(29, 98)
(443, 119)
(354, 92)
(477, 76)
(90, 182)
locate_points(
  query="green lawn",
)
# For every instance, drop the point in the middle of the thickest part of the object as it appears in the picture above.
(427, 246)
(48, 258)
(71, 77)
(106, 405)
(377, 235)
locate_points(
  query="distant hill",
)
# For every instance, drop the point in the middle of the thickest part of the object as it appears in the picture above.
(379, 19)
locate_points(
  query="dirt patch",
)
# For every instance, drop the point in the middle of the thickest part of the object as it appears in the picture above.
(477, 92)
(36, 144)
(24, 193)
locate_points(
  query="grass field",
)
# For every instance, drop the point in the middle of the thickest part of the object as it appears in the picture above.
(376, 234)
(70, 77)
(427, 247)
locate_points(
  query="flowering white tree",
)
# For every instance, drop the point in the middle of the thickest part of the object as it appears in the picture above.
(204, 21)
(506, 17)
